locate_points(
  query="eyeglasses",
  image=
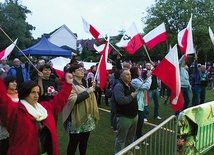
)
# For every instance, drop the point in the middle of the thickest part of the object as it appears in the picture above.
(80, 69)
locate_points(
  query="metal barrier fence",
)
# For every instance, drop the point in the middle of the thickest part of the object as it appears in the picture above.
(161, 140)
(196, 126)
(205, 138)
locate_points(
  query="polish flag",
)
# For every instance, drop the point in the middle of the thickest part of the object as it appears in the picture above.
(7, 51)
(131, 40)
(100, 49)
(168, 72)
(185, 39)
(211, 35)
(155, 36)
(103, 62)
(90, 29)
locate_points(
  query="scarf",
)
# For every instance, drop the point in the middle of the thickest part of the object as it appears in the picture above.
(38, 112)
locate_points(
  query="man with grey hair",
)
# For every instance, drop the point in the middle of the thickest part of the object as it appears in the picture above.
(19, 71)
(34, 72)
(124, 96)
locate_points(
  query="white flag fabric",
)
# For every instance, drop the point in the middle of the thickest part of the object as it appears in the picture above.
(90, 29)
(131, 40)
(211, 35)
(185, 39)
(7, 51)
(155, 36)
(168, 72)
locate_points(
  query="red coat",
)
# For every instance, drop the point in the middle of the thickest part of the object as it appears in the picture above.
(22, 126)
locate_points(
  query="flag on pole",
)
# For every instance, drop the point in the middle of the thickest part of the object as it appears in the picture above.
(155, 36)
(185, 39)
(211, 35)
(90, 29)
(168, 72)
(7, 51)
(131, 40)
(100, 49)
(103, 62)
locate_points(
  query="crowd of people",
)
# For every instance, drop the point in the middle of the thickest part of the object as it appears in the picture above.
(31, 100)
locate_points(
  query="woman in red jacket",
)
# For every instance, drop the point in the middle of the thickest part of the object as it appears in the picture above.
(31, 124)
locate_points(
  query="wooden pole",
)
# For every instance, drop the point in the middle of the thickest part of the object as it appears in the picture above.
(98, 67)
(19, 49)
(112, 46)
(148, 55)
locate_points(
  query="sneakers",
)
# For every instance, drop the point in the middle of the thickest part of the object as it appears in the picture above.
(158, 117)
(145, 120)
(145, 143)
(137, 147)
(115, 131)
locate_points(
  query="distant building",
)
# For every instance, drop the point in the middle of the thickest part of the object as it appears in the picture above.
(63, 37)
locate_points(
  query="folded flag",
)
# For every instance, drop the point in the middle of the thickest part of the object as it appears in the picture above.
(103, 68)
(185, 39)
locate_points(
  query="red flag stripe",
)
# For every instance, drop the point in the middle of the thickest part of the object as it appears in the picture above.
(134, 44)
(160, 38)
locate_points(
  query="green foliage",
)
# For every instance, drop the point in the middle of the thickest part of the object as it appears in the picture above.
(176, 14)
(13, 22)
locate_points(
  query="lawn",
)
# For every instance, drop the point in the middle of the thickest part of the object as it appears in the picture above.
(101, 141)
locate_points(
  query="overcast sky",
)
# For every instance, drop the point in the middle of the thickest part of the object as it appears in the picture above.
(107, 16)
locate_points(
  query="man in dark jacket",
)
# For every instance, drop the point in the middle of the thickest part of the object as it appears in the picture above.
(201, 81)
(126, 109)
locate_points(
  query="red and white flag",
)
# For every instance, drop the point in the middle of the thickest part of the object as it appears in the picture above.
(100, 49)
(211, 35)
(103, 68)
(90, 29)
(7, 51)
(155, 36)
(131, 40)
(168, 72)
(185, 39)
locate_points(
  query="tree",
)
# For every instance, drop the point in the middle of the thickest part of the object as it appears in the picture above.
(176, 14)
(13, 22)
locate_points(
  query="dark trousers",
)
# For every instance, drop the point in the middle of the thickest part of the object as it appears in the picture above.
(113, 116)
(200, 93)
(98, 93)
(74, 140)
(140, 124)
(186, 96)
(4, 145)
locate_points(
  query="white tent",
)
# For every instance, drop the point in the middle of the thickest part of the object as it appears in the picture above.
(60, 62)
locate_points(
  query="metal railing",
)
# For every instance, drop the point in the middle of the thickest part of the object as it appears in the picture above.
(161, 140)
(205, 138)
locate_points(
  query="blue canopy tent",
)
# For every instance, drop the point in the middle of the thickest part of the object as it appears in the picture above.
(45, 48)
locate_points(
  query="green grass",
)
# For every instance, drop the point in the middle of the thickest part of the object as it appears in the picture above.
(101, 140)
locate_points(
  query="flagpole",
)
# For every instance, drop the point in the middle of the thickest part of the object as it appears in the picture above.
(98, 67)
(143, 83)
(112, 46)
(18, 48)
(148, 54)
